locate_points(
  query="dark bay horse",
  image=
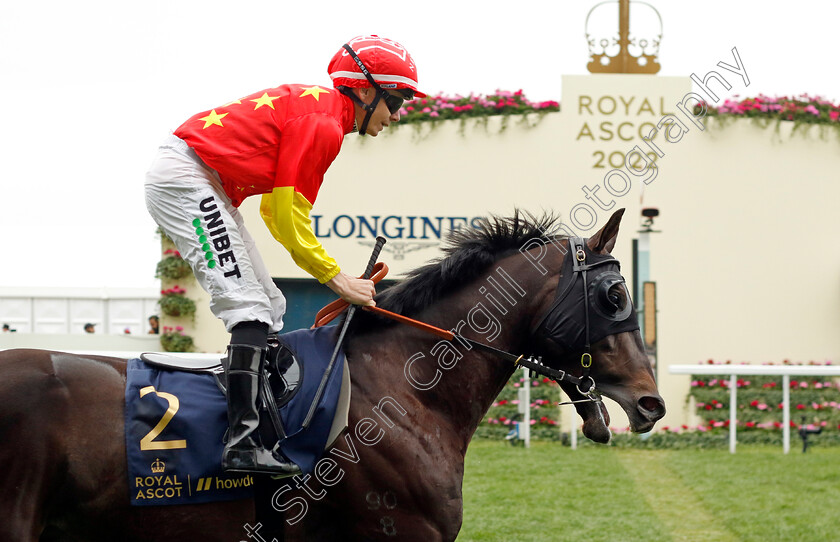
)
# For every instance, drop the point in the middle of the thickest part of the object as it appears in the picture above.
(394, 474)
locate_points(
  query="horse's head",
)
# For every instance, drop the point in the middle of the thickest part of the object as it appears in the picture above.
(588, 310)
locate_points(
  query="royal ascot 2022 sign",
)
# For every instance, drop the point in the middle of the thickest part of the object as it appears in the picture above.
(641, 111)
(609, 114)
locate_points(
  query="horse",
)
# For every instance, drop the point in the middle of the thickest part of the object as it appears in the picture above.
(396, 472)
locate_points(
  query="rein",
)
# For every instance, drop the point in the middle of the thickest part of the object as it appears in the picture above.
(535, 365)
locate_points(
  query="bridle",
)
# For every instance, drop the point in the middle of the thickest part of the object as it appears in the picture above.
(560, 322)
(579, 265)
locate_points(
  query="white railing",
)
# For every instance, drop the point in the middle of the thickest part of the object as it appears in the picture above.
(117, 346)
(67, 310)
(785, 371)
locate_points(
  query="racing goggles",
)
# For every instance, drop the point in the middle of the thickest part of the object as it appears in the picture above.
(394, 103)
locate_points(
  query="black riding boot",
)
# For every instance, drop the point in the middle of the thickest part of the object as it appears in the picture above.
(243, 452)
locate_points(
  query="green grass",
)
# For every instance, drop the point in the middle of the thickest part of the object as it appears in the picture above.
(552, 493)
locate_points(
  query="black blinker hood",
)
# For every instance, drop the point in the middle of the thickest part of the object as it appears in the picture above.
(583, 311)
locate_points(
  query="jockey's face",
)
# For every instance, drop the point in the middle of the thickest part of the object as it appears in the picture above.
(380, 117)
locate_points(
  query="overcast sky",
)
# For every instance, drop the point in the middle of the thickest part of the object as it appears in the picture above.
(90, 88)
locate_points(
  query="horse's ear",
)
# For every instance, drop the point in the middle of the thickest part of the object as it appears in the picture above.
(604, 241)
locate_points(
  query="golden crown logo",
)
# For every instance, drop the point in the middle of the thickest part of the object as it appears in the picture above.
(158, 466)
(627, 53)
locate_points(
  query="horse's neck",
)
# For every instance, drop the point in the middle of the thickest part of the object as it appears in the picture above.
(495, 310)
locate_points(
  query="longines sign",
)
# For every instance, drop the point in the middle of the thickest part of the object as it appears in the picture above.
(405, 233)
(390, 226)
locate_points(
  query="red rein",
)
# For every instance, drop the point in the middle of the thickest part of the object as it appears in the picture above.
(331, 311)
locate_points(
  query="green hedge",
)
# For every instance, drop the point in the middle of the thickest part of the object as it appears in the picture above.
(816, 399)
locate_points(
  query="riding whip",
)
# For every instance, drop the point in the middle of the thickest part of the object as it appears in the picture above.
(377, 248)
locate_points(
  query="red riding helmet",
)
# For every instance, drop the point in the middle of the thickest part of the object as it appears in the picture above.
(387, 61)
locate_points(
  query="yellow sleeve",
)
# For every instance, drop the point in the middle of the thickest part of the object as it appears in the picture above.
(286, 213)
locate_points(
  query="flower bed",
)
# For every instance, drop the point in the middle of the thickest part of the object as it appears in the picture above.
(172, 266)
(803, 110)
(505, 410)
(816, 399)
(174, 340)
(173, 302)
(432, 109)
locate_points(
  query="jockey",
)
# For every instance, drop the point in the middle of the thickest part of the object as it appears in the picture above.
(277, 143)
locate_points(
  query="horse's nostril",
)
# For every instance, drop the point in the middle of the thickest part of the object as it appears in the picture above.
(652, 406)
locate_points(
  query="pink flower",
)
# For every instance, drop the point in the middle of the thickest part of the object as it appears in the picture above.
(426, 110)
(434, 114)
(834, 115)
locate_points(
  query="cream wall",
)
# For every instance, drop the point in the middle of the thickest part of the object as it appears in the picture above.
(747, 265)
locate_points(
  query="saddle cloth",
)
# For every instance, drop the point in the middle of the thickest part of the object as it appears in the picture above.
(175, 422)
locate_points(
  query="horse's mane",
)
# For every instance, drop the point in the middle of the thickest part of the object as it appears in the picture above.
(468, 252)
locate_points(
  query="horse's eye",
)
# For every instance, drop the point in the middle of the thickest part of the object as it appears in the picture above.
(615, 297)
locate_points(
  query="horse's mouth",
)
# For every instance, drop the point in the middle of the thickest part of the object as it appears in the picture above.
(642, 411)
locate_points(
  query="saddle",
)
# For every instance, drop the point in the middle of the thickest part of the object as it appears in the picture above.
(282, 378)
(283, 371)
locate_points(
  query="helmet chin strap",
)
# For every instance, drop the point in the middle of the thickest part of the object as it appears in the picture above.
(369, 108)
